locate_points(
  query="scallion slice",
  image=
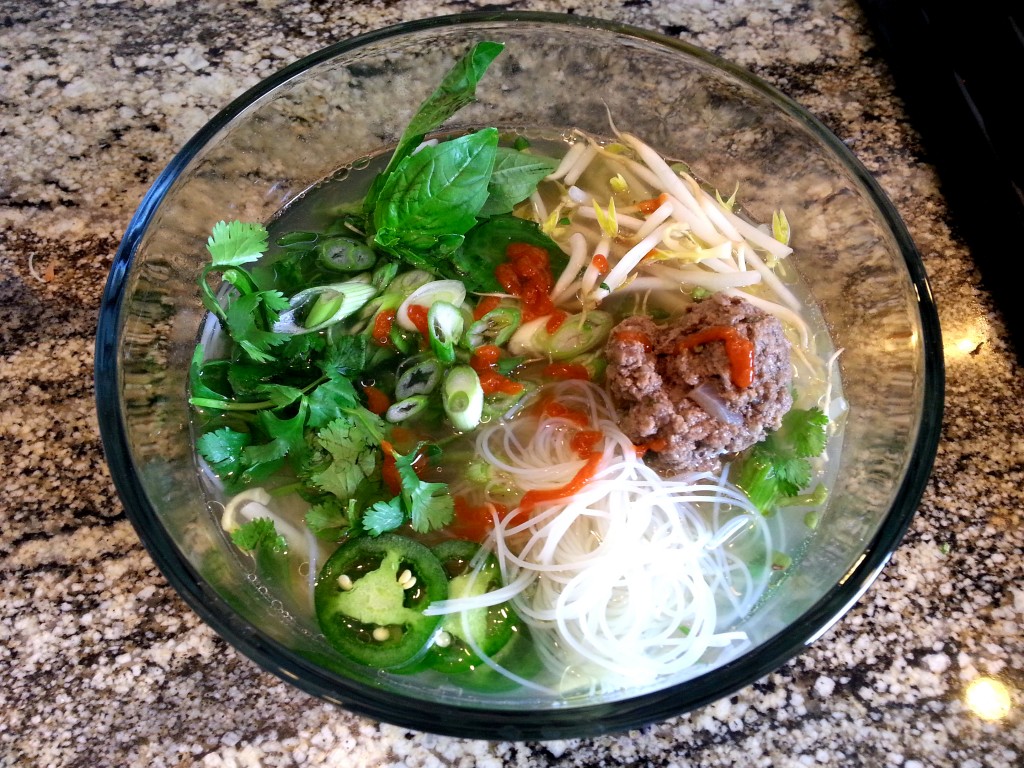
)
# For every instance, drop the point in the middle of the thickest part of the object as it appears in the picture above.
(321, 306)
(463, 398)
(451, 291)
(444, 326)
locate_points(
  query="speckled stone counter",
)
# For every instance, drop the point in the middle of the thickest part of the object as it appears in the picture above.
(101, 664)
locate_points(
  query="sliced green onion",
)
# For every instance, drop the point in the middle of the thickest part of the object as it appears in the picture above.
(345, 254)
(498, 407)
(479, 472)
(463, 398)
(577, 334)
(383, 275)
(595, 363)
(405, 342)
(496, 327)
(418, 375)
(444, 327)
(323, 305)
(324, 308)
(521, 342)
(407, 282)
(781, 561)
(452, 291)
(406, 408)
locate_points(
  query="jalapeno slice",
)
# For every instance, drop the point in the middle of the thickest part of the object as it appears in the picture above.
(490, 628)
(345, 254)
(370, 597)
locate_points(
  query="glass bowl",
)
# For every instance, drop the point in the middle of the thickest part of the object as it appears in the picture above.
(351, 101)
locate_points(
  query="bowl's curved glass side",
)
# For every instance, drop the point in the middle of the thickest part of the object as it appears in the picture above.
(353, 101)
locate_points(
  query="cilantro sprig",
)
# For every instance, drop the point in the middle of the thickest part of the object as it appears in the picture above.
(259, 534)
(779, 466)
(286, 400)
(249, 318)
(424, 505)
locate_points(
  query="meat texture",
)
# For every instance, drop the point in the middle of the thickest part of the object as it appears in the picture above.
(652, 377)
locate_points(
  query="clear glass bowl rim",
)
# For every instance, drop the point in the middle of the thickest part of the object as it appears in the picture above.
(587, 720)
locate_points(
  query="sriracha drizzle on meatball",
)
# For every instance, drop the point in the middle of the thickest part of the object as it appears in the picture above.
(679, 388)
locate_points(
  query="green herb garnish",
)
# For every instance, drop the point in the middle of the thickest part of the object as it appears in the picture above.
(779, 466)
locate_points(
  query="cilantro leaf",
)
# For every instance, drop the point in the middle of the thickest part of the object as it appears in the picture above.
(287, 437)
(197, 386)
(331, 519)
(383, 516)
(805, 430)
(347, 356)
(236, 243)
(429, 505)
(250, 318)
(223, 450)
(779, 466)
(257, 534)
(330, 400)
(352, 444)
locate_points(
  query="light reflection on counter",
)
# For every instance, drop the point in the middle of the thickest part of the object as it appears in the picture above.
(961, 342)
(988, 698)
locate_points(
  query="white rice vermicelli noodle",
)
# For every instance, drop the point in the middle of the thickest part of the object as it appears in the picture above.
(632, 578)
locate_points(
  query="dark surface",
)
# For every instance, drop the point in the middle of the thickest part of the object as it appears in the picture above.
(960, 73)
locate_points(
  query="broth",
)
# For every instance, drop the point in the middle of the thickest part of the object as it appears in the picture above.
(533, 430)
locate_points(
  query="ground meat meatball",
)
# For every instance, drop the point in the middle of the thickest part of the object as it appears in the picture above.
(652, 378)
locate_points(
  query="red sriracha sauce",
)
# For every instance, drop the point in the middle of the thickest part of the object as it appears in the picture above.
(738, 348)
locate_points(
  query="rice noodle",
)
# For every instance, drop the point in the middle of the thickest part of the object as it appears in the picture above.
(632, 578)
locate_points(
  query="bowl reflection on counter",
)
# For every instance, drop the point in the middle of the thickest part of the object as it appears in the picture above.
(352, 100)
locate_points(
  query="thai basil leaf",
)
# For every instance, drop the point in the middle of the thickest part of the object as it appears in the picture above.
(436, 194)
(486, 244)
(457, 89)
(514, 178)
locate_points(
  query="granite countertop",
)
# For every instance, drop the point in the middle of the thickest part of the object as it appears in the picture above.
(102, 664)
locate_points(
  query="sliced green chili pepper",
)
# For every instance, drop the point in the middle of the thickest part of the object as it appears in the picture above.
(444, 327)
(370, 598)
(496, 327)
(418, 375)
(490, 628)
(345, 254)
(406, 408)
(519, 656)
